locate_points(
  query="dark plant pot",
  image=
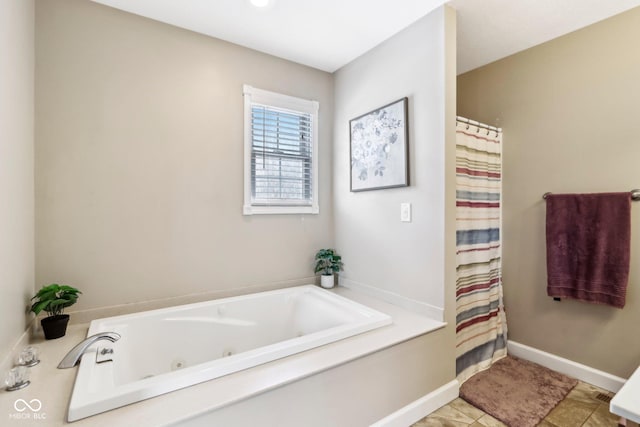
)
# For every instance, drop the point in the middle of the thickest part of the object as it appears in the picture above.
(55, 326)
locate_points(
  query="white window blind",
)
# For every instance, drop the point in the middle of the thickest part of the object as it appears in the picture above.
(281, 157)
(280, 153)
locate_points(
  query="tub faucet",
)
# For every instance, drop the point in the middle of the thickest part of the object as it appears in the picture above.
(73, 357)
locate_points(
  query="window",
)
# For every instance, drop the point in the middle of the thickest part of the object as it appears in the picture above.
(281, 153)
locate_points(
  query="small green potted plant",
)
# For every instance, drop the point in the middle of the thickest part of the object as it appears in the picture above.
(328, 262)
(54, 299)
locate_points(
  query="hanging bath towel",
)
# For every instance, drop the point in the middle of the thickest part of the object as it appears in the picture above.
(588, 246)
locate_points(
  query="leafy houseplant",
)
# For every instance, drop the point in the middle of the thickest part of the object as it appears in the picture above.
(54, 299)
(328, 262)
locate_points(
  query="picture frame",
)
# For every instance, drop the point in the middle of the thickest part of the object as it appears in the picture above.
(379, 148)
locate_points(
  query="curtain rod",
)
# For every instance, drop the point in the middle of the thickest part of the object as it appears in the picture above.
(635, 194)
(461, 119)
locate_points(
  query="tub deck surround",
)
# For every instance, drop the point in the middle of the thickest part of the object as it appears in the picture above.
(172, 348)
(171, 408)
(88, 315)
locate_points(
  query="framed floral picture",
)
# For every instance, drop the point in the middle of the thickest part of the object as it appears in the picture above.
(379, 147)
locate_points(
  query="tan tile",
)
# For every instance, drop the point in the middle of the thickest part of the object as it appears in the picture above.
(431, 421)
(596, 388)
(450, 413)
(446, 416)
(588, 391)
(545, 423)
(583, 395)
(571, 412)
(467, 408)
(489, 421)
(603, 391)
(601, 417)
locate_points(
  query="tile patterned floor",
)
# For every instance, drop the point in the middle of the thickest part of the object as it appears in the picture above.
(581, 408)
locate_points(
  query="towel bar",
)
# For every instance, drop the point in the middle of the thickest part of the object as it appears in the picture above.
(635, 194)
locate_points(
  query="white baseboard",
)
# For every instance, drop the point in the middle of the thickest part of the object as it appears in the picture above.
(419, 307)
(9, 358)
(568, 367)
(422, 407)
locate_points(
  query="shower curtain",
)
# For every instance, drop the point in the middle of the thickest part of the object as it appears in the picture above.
(481, 327)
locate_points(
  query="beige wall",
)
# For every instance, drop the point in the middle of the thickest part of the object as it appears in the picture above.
(139, 157)
(16, 168)
(380, 251)
(569, 112)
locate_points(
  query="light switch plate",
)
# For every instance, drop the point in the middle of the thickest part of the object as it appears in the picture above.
(405, 212)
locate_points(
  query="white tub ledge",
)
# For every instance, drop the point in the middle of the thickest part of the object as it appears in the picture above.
(200, 404)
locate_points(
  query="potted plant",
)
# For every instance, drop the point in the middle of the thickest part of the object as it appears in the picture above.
(328, 262)
(54, 299)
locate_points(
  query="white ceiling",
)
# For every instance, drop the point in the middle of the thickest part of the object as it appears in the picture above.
(489, 30)
(324, 34)
(327, 34)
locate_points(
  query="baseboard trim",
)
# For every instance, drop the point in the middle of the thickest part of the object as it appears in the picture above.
(568, 367)
(419, 307)
(9, 359)
(422, 407)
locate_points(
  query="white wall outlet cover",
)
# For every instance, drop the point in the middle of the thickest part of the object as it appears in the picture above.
(405, 212)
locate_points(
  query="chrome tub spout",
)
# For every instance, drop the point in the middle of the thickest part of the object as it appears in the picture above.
(73, 357)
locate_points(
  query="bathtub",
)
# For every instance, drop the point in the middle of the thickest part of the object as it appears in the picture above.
(168, 349)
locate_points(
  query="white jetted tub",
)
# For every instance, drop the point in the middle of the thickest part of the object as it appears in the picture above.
(168, 349)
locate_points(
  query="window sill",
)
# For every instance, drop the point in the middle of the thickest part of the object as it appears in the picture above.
(278, 210)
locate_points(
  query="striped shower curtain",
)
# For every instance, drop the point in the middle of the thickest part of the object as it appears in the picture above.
(481, 327)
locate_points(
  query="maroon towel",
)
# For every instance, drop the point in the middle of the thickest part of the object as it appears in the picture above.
(588, 245)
